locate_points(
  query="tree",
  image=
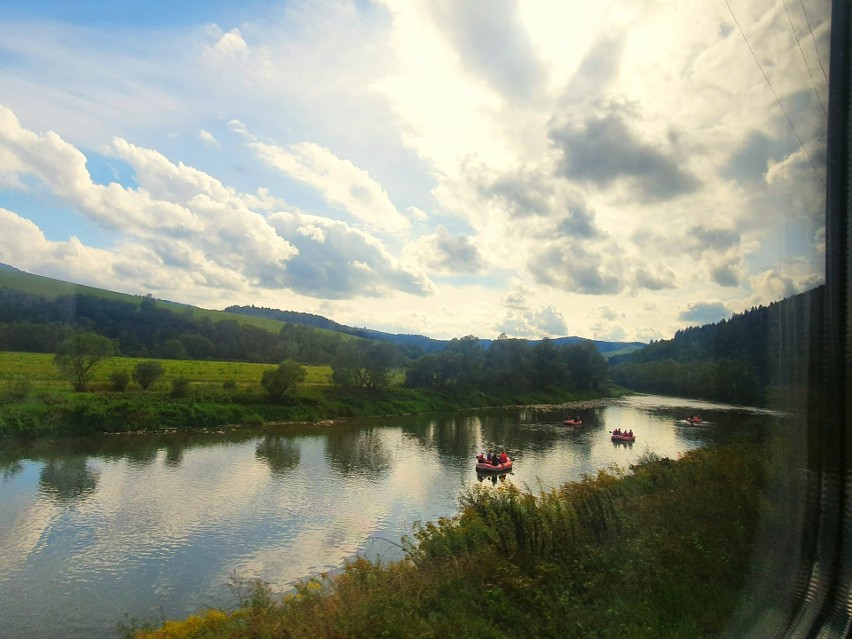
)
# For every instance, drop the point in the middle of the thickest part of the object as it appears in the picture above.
(587, 366)
(146, 373)
(347, 367)
(78, 356)
(119, 380)
(278, 381)
(380, 358)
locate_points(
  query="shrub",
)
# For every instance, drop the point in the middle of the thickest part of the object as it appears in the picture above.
(16, 388)
(119, 380)
(146, 373)
(285, 378)
(180, 387)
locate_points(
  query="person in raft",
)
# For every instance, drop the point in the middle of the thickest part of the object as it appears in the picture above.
(503, 457)
(617, 431)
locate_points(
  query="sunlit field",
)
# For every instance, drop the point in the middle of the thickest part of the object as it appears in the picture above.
(39, 371)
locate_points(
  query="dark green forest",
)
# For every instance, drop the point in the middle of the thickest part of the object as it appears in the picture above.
(740, 360)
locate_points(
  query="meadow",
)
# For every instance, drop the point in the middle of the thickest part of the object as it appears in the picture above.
(40, 372)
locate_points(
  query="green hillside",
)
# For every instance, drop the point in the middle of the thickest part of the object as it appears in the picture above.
(50, 289)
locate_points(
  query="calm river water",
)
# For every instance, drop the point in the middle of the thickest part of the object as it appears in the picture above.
(98, 531)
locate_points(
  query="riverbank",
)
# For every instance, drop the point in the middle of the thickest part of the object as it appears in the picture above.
(622, 554)
(51, 413)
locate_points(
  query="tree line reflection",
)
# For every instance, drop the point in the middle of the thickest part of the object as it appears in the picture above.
(355, 447)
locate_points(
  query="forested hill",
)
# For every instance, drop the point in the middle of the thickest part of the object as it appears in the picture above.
(37, 313)
(736, 360)
(419, 343)
(295, 317)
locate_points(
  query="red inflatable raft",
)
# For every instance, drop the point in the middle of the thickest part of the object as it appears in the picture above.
(572, 422)
(488, 467)
(623, 438)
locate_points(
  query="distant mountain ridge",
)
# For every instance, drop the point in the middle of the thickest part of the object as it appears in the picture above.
(269, 318)
(428, 344)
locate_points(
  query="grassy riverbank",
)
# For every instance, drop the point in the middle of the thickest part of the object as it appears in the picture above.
(36, 401)
(660, 551)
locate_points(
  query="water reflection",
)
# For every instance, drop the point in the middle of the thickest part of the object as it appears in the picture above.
(358, 451)
(170, 517)
(492, 477)
(67, 478)
(279, 452)
(10, 468)
(453, 435)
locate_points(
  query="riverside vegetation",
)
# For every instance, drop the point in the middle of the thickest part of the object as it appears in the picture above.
(661, 550)
(37, 399)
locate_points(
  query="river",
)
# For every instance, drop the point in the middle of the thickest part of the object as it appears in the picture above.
(99, 531)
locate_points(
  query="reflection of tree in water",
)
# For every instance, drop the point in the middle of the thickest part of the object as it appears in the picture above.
(464, 435)
(10, 468)
(143, 453)
(281, 453)
(451, 435)
(67, 478)
(360, 451)
(174, 455)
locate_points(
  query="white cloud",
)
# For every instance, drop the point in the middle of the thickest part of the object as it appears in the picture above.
(208, 138)
(343, 185)
(228, 46)
(617, 155)
(448, 254)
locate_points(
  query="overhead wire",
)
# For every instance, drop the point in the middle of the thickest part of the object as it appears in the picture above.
(813, 39)
(777, 99)
(804, 59)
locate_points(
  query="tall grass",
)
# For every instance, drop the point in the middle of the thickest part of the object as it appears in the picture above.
(661, 551)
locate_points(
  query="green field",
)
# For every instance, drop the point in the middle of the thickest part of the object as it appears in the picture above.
(39, 371)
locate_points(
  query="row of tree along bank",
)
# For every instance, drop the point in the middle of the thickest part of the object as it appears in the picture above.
(29, 410)
(366, 378)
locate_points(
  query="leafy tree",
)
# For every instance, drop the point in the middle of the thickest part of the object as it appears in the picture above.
(278, 381)
(78, 356)
(347, 366)
(119, 380)
(424, 372)
(550, 366)
(146, 373)
(380, 359)
(470, 359)
(508, 363)
(587, 366)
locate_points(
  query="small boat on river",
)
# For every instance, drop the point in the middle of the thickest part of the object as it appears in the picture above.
(623, 437)
(695, 419)
(485, 466)
(573, 421)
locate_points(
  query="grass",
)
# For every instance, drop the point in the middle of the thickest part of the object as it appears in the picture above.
(660, 551)
(35, 400)
(38, 368)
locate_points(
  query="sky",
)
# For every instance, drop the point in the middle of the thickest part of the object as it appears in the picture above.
(614, 170)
